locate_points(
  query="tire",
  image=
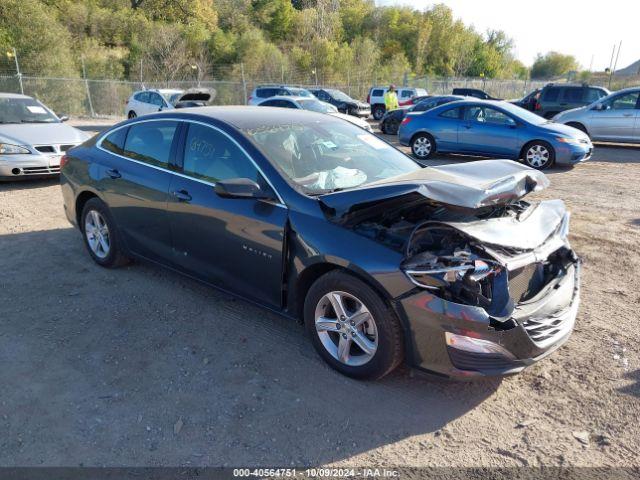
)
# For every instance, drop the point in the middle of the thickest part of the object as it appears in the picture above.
(96, 222)
(378, 112)
(379, 331)
(131, 115)
(393, 127)
(534, 156)
(423, 146)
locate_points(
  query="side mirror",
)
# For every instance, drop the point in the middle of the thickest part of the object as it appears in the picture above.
(64, 118)
(239, 188)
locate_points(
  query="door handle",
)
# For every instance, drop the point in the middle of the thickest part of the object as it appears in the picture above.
(114, 173)
(182, 195)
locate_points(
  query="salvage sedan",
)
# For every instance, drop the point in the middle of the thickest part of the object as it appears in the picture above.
(447, 268)
(32, 138)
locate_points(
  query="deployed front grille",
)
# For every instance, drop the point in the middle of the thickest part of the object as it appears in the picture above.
(549, 327)
(464, 360)
(46, 148)
(526, 282)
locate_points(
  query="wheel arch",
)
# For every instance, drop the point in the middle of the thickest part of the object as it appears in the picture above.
(81, 200)
(579, 125)
(529, 142)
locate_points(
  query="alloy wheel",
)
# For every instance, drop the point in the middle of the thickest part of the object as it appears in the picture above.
(538, 156)
(97, 234)
(422, 147)
(346, 328)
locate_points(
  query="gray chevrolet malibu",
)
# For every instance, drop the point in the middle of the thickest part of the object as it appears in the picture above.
(32, 138)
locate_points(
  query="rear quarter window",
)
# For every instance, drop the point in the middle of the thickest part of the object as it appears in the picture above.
(377, 93)
(266, 92)
(573, 94)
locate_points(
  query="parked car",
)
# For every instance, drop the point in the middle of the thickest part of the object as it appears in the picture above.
(32, 138)
(473, 92)
(343, 102)
(316, 219)
(556, 98)
(614, 118)
(405, 97)
(314, 105)
(144, 102)
(391, 121)
(493, 129)
(529, 101)
(263, 92)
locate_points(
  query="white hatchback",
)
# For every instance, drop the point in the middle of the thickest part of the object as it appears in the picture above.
(150, 101)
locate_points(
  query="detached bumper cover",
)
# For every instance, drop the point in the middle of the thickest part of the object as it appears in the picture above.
(542, 324)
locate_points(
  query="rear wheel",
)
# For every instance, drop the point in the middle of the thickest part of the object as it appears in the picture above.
(132, 114)
(392, 127)
(351, 327)
(538, 155)
(378, 112)
(423, 146)
(100, 235)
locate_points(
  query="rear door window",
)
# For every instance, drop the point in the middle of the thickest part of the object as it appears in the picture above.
(142, 97)
(452, 113)
(551, 94)
(150, 142)
(266, 92)
(573, 94)
(114, 142)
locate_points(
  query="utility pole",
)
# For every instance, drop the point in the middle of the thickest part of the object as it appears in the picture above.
(244, 83)
(86, 86)
(615, 65)
(18, 74)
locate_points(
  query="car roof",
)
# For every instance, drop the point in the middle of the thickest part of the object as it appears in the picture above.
(13, 95)
(287, 97)
(249, 117)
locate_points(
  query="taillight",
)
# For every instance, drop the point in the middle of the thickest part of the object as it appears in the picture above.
(63, 161)
(405, 120)
(369, 97)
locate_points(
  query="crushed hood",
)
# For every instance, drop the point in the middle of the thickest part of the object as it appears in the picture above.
(470, 185)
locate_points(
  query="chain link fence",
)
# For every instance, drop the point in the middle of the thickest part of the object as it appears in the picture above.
(107, 98)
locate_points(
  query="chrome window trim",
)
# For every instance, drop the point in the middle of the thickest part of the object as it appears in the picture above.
(173, 119)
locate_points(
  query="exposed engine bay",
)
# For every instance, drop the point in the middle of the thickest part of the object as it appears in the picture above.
(494, 256)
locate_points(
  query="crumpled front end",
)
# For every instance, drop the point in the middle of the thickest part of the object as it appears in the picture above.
(489, 301)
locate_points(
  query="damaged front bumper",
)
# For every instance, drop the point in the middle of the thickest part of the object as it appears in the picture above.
(465, 342)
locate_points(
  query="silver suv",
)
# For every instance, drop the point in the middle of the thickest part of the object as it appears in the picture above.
(262, 92)
(614, 118)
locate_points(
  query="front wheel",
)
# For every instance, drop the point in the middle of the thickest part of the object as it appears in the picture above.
(351, 327)
(539, 155)
(423, 146)
(132, 114)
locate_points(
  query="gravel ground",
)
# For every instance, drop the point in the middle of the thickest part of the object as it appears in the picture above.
(140, 366)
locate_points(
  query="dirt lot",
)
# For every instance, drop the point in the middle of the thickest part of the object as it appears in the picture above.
(140, 366)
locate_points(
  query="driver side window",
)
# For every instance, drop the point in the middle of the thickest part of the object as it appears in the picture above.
(212, 156)
(627, 101)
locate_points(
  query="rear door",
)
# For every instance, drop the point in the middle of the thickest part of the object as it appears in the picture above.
(236, 244)
(617, 121)
(135, 184)
(488, 131)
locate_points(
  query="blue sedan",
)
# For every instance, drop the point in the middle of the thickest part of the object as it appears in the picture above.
(493, 129)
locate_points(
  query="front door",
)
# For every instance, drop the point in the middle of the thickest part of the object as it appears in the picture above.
(234, 243)
(488, 131)
(135, 185)
(616, 118)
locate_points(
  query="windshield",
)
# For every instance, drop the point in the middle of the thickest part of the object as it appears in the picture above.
(300, 92)
(523, 114)
(317, 106)
(327, 156)
(25, 110)
(341, 96)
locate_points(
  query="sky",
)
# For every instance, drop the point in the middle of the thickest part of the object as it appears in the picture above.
(584, 29)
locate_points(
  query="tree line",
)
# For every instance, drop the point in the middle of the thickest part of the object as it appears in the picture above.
(327, 41)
